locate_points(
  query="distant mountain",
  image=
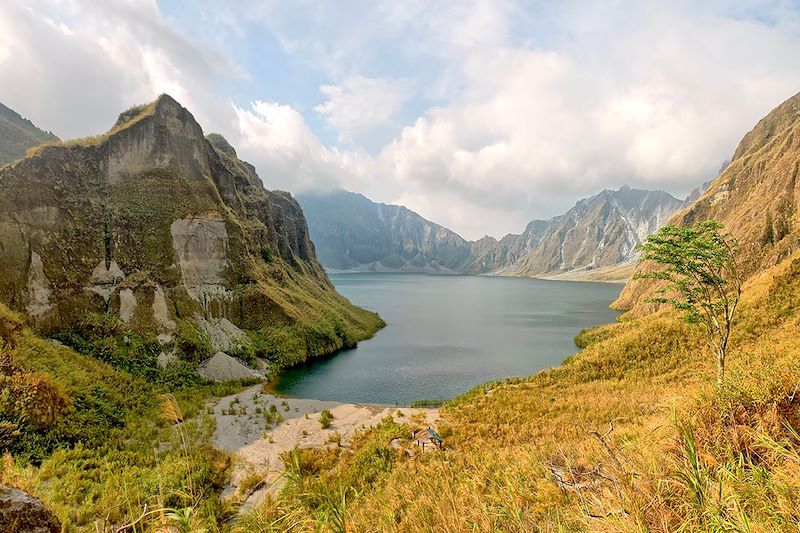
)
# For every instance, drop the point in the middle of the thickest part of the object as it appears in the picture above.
(601, 231)
(17, 134)
(755, 197)
(491, 255)
(350, 232)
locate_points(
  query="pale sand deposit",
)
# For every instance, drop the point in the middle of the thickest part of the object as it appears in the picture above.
(256, 448)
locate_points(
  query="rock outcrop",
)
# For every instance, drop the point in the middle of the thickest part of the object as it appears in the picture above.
(600, 231)
(17, 134)
(157, 223)
(22, 513)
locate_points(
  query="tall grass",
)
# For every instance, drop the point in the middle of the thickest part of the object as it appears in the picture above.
(537, 454)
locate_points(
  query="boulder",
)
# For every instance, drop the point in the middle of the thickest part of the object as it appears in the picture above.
(21, 512)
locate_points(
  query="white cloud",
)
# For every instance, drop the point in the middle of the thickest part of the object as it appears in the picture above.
(288, 155)
(496, 112)
(359, 104)
(73, 66)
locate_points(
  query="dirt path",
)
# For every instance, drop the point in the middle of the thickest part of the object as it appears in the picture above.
(243, 430)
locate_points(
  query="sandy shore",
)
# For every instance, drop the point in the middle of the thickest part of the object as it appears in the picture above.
(256, 445)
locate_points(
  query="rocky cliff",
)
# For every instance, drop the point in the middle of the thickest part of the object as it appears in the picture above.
(17, 134)
(755, 197)
(353, 233)
(601, 231)
(491, 255)
(596, 239)
(155, 224)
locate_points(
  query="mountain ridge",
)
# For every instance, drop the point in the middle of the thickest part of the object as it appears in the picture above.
(18, 134)
(365, 242)
(354, 233)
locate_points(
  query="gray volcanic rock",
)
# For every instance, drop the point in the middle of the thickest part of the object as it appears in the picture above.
(223, 367)
(600, 231)
(17, 134)
(22, 513)
(490, 255)
(353, 233)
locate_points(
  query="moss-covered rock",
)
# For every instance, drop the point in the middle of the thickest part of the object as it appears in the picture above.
(20, 512)
(156, 224)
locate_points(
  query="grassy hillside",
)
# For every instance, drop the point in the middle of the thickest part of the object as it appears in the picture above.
(17, 134)
(95, 444)
(755, 197)
(627, 435)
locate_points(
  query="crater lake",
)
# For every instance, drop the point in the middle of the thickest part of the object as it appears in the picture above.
(446, 334)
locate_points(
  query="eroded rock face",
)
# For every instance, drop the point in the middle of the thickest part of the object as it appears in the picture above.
(152, 198)
(161, 313)
(201, 248)
(22, 513)
(38, 288)
(158, 224)
(105, 278)
(171, 139)
(224, 335)
(127, 305)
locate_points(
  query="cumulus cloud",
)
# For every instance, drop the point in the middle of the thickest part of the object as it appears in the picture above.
(479, 114)
(288, 154)
(358, 105)
(73, 66)
(647, 94)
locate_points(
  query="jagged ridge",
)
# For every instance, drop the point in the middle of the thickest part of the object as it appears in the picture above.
(353, 233)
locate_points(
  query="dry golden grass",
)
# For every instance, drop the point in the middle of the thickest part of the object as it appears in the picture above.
(628, 435)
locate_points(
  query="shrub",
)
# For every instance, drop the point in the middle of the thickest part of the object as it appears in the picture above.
(266, 253)
(193, 343)
(325, 419)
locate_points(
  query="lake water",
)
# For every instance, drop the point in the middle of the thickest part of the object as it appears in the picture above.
(447, 334)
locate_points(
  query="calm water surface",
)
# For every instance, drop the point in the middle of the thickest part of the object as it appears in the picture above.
(446, 334)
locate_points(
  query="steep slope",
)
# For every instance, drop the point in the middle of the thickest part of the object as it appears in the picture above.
(156, 225)
(601, 231)
(491, 255)
(353, 233)
(755, 197)
(596, 239)
(17, 134)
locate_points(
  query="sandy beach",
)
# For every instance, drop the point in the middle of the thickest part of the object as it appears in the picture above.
(255, 442)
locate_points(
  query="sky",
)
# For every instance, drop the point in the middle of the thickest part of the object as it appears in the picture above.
(480, 115)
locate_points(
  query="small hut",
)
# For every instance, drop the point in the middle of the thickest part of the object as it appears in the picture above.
(427, 439)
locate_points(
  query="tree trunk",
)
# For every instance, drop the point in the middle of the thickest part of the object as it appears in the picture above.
(720, 366)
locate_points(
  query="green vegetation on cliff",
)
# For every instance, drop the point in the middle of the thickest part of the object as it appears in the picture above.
(152, 226)
(18, 134)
